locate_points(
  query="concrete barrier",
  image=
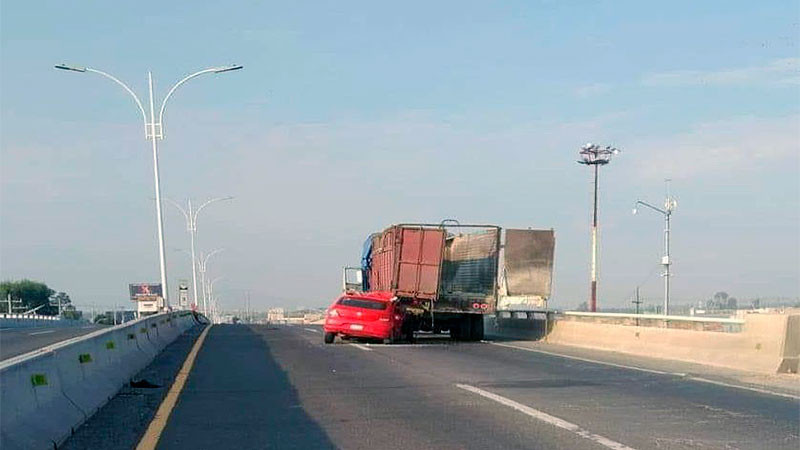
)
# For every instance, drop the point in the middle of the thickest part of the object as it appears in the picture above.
(46, 394)
(766, 343)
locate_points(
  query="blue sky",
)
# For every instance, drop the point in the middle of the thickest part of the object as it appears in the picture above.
(349, 116)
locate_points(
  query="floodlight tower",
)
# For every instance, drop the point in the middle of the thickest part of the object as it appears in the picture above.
(595, 156)
(669, 205)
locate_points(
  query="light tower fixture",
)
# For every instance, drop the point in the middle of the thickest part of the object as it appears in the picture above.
(595, 156)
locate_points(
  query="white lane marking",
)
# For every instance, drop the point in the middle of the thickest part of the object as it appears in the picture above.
(754, 389)
(593, 361)
(41, 332)
(311, 330)
(362, 347)
(641, 369)
(546, 418)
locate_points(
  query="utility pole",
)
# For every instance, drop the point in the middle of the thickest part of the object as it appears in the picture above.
(669, 206)
(596, 156)
(637, 302)
(12, 302)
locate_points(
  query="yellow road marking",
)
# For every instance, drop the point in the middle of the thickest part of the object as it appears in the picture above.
(159, 422)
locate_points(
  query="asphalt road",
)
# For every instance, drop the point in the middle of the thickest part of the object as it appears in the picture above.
(16, 341)
(281, 387)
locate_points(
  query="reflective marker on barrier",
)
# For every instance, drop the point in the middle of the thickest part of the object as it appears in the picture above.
(84, 358)
(39, 379)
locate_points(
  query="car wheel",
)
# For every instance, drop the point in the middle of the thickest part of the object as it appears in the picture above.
(329, 337)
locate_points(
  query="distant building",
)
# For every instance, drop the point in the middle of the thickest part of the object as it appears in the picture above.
(276, 315)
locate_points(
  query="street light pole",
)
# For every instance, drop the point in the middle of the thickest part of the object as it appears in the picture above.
(213, 300)
(669, 205)
(162, 258)
(191, 226)
(154, 131)
(596, 156)
(202, 266)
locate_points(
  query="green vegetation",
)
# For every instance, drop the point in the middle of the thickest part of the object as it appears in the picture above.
(27, 295)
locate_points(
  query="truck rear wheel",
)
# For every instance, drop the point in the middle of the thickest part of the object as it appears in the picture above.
(461, 329)
(476, 327)
(329, 337)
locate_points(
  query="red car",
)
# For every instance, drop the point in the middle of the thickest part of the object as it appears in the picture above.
(375, 315)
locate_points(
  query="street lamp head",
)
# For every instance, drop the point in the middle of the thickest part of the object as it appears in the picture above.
(228, 68)
(593, 154)
(70, 68)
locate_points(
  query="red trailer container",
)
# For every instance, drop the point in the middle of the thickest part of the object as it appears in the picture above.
(407, 260)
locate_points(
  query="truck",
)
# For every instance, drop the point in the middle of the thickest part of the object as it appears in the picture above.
(451, 277)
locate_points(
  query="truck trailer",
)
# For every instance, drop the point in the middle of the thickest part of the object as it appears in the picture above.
(451, 277)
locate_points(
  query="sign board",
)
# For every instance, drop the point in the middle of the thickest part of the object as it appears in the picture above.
(147, 296)
(148, 307)
(145, 291)
(183, 294)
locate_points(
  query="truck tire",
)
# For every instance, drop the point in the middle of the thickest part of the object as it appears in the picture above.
(329, 337)
(461, 329)
(476, 327)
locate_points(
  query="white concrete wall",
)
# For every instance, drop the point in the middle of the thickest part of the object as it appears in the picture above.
(46, 394)
(761, 345)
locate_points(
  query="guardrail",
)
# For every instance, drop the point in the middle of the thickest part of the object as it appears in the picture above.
(35, 320)
(46, 394)
(28, 316)
(719, 324)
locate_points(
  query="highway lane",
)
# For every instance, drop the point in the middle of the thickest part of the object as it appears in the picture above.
(280, 387)
(16, 341)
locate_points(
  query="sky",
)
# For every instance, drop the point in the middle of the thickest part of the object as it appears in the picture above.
(351, 116)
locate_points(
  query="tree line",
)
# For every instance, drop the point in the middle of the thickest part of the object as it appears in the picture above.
(27, 295)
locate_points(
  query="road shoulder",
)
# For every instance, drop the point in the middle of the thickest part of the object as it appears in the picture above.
(122, 421)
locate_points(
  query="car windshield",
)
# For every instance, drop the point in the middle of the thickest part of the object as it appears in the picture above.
(363, 303)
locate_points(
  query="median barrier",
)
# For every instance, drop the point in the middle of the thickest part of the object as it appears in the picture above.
(46, 394)
(760, 344)
(128, 343)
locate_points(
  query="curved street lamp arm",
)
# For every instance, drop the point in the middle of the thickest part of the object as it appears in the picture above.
(124, 86)
(208, 202)
(639, 202)
(177, 85)
(205, 260)
(177, 205)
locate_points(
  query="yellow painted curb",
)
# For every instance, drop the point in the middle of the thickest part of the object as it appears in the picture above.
(159, 422)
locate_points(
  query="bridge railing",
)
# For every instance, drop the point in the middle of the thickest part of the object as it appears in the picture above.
(35, 320)
(719, 324)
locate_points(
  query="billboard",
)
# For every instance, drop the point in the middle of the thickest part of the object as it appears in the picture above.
(141, 292)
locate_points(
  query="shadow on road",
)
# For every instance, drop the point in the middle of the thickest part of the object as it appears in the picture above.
(237, 396)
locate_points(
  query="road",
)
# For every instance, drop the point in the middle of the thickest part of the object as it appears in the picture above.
(16, 341)
(280, 387)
